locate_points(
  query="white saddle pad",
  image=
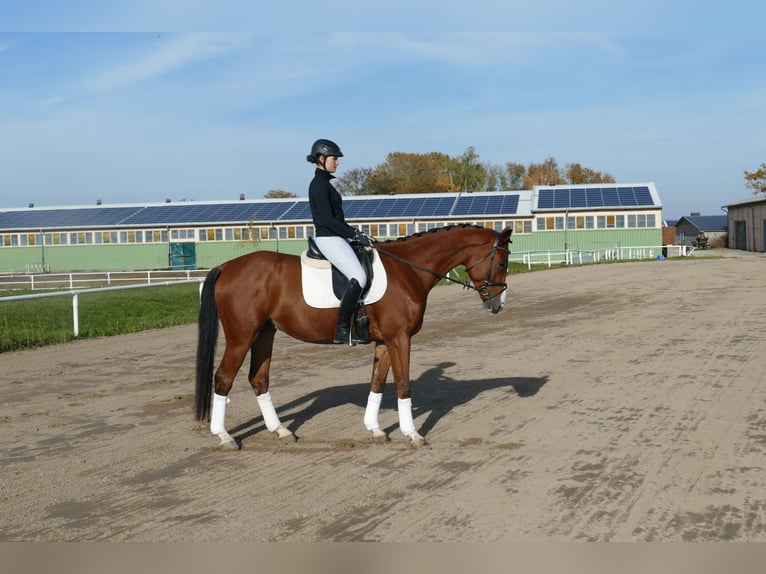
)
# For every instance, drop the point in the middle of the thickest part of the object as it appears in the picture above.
(316, 281)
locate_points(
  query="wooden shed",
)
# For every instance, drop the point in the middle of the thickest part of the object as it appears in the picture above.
(747, 224)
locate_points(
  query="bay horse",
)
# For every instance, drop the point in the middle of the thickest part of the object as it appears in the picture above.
(255, 294)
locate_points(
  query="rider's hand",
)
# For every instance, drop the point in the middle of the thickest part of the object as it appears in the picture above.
(362, 238)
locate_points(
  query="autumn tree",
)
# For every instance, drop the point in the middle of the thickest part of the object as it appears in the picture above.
(278, 193)
(576, 173)
(546, 173)
(438, 172)
(354, 181)
(409, 173)
(756, 180)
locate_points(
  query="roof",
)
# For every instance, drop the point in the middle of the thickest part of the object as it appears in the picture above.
(596, 196)
(283, 210)
(707, 222)
(758, 199)
(463, 205)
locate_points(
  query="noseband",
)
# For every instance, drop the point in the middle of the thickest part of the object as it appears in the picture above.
(481, 289)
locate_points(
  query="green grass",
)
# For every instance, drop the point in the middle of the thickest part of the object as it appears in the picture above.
(38, 322)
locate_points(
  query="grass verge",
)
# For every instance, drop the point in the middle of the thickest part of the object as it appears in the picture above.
(35, 323)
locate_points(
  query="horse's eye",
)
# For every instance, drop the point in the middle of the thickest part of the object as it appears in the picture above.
(502, 265)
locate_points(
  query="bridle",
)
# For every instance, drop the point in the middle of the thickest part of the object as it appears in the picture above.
(481, 289)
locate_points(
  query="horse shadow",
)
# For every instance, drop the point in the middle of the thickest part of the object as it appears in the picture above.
(434, 394)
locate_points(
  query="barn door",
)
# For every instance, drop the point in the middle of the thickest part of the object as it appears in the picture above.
(740, 235)
(183, 255)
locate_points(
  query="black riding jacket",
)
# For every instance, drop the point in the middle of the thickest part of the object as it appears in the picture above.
(327, 207)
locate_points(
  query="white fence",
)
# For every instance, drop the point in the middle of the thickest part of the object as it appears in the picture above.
(76, 295)
(95, 279)
(579, 257)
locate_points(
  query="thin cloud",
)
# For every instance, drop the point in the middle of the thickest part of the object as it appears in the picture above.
(177, 53)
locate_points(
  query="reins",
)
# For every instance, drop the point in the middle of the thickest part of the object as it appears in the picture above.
(481, 289)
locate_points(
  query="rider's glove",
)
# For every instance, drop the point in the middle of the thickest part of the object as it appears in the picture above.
(362, 238)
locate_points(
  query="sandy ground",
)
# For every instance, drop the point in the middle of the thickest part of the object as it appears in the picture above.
(619, 402)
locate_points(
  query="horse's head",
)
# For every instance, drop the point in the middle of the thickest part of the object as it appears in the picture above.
(488, 271)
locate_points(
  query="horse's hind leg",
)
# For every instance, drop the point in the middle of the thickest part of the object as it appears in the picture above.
(233, 356)
(380, 367)
(260, 363)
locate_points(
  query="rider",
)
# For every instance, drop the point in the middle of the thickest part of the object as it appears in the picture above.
(332, 233)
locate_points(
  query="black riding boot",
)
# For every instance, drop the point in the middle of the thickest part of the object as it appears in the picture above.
(347, 307)
(362, 323)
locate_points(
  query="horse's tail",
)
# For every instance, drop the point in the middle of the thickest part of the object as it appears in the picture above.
(206, 340)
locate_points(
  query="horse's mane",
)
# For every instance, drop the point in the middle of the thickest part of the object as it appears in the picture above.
(433, 231)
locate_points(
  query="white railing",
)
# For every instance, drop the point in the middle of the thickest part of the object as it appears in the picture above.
(552, 257)
(95, 279)
(76, 295)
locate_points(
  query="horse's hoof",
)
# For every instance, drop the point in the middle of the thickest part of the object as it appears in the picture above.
(284, 434)
(227, 441)
(378, 436)
(418, 442)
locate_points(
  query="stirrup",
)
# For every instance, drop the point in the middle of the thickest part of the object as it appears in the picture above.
(344, 338)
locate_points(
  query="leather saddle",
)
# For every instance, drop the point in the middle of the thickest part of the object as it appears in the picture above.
(340, 281)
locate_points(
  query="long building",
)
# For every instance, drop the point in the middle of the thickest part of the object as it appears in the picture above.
(201, 234)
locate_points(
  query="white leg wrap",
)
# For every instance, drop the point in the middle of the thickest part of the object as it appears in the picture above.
(406, 424)
(218, 415)
(372, 410)
(268, 411)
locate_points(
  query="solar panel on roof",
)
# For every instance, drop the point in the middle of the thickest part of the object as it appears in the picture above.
(584, 197)
(73, 217)
(486, 204)
(561, 198)
(610, 196)
(577, 197)
(626, 196)
(545, 199)
(510, 204)
(594, 197)
(643, 195)
(300, 211)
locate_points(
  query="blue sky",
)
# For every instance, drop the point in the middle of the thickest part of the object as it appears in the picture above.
(674, 95)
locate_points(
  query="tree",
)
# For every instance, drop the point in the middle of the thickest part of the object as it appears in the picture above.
(756, 180)
(354, 181)
(496, 177)
(515, 176)
(278, 193)
(466, 172)
(546, 173)
(576, 173)
(409, 173)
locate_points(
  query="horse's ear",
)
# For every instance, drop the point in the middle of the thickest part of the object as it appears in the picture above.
(505, 234)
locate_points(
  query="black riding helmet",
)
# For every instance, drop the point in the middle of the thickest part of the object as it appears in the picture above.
(326, 148)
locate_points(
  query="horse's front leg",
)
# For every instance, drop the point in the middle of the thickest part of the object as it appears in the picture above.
(380, 366)
(260, 363)
(399, 354)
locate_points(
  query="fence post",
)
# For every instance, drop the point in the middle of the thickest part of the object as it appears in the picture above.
(76, 314)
